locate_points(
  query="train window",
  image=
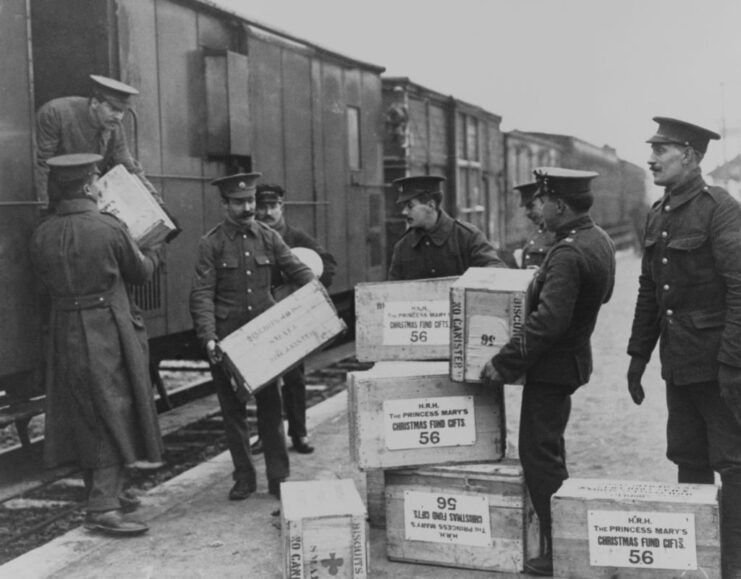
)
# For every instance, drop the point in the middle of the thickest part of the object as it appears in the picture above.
(353, 138)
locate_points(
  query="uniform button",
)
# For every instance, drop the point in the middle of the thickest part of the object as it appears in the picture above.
(666, 287)
(669, 313)
(667, 208)
(244, 236)
(664, 260)
(249, 272)
(249, 308)
(427, 243)
(573, 231)
(246, 252)
(664, 234)
(532, 242)
(249, 290)
(433, 270)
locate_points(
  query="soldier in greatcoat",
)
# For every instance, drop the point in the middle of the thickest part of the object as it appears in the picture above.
(536, 247)
(553, 350)
(689, 300)
(100, 412)
(237, 265)
(435, 244)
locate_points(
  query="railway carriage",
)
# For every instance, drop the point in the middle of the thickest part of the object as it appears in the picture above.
(219, 93)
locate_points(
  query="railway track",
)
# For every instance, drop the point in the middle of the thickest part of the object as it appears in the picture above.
(43, 505)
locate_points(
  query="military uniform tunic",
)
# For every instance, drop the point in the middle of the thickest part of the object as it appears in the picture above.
(448, 249)
(689, 292)
(99, 405)
(536, 248)
(235, 270)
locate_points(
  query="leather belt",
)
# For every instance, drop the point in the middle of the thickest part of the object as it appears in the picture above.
(87, 302)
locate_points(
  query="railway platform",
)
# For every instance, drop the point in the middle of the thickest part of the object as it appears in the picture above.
(196, 532)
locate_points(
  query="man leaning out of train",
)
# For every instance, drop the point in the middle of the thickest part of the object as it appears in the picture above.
(232, 285)
(435, 244)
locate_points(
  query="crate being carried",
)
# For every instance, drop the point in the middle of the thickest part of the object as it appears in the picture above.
(633, 529)
(468, 516)
(487, 307)
(405, 414)
(125, 196)
(324, 531)
(279, 338)
(403, 320)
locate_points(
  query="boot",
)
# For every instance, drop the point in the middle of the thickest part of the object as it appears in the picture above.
(730, 527)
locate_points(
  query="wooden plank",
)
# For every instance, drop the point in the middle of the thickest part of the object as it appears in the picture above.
(410, 413)
(634, 529)
(487, 307)
(324, 530)
(466, 516)
(403, 320)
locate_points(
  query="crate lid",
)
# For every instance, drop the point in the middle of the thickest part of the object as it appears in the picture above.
(495, 279)
(638, 491)
(404, 368)
(320, 498)
(490, 469)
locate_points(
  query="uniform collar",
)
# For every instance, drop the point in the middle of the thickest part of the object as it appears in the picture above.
(438, 234)
(685, 191)
(79, 205)
(233, 229)
(571, 227)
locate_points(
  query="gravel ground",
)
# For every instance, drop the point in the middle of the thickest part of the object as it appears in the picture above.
(608, 436)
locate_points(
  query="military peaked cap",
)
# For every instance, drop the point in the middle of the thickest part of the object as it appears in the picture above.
(558, 181)
(267, 193)
(237, 186)
(74, 167)
(527, 192)
(113, 91)
(411, 187)
(682, 133)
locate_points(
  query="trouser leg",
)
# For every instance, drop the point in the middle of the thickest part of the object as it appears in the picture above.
(272, 433)
(687, 437)
(294, 401)
(234, 415)
(544, 415)
(730, 526)
(106, 484)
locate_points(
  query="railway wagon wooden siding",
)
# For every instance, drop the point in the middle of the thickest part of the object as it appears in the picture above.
(219, 94)
(19, 346)
(427, 132)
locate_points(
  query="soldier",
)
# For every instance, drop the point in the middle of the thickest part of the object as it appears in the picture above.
(689, 299)
(435, 244)
(235, 269)
(100, 411)
(270, 211)
(76, 124)
(540, 242)
(553, 350)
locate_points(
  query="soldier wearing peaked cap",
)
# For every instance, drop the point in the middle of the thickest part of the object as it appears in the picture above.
(689, 301)
(536, 247)
(237, 265)
(100, 411)
(76, 124)
(553, 350)
(435, 244)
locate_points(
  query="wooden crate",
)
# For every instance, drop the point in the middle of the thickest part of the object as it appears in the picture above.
(324, 531)
(124, 195)
(468, 516)
(375, 493)
(404, 414)
(632, 529)
(487, 307)
(403, 320)
(279, 338)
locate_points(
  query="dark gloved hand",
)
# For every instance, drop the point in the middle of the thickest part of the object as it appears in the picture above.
(729, 382)
(635, 373)
(490, 376)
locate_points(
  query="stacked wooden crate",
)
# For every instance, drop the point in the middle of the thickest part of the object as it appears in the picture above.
(431, 441)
